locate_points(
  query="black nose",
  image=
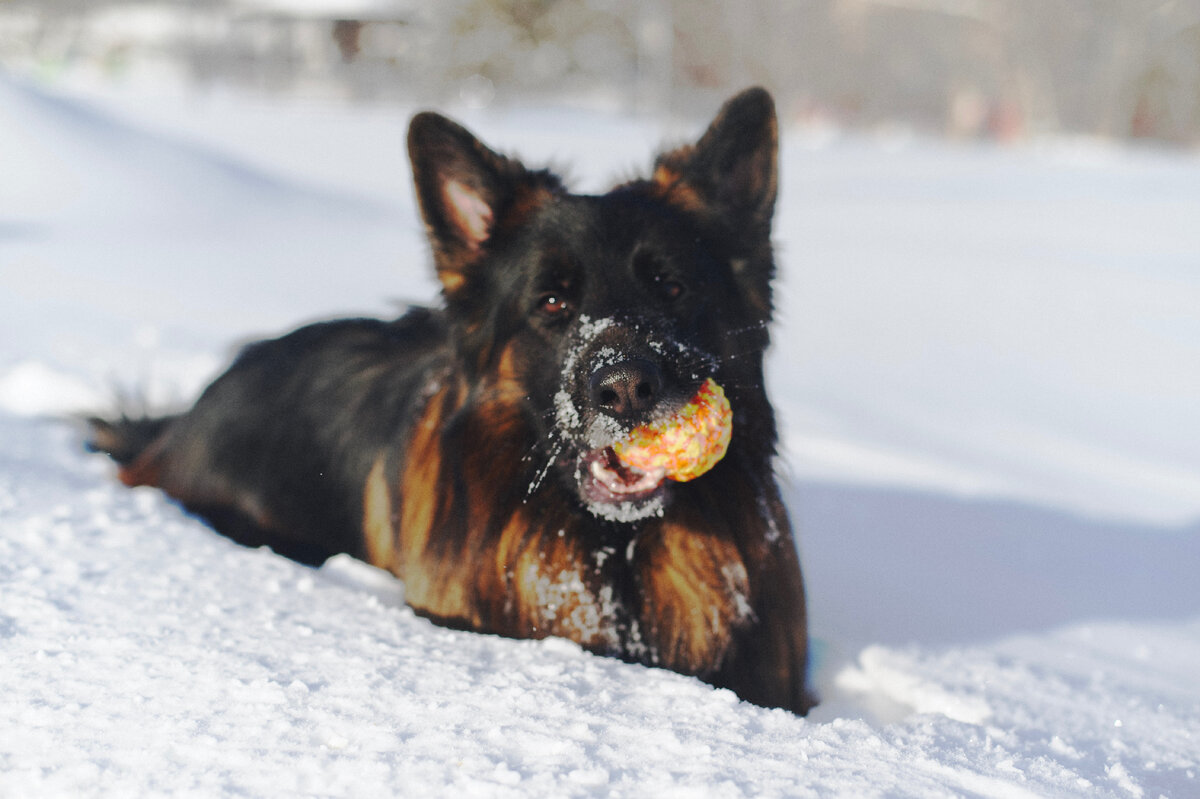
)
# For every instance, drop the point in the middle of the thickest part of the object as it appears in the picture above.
(627, 388)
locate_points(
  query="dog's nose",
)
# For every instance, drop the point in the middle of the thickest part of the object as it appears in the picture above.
(627, 388)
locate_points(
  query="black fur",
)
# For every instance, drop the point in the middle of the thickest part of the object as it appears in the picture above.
(468, 449)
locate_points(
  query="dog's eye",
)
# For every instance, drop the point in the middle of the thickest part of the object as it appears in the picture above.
(553, 305)
(669, 289)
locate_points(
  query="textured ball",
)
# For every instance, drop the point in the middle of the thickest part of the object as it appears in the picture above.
(686, 444)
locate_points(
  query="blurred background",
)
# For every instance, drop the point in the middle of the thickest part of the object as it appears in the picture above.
(992, 69)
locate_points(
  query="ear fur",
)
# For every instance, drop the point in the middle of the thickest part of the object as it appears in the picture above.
(733, 170)
(468, 194)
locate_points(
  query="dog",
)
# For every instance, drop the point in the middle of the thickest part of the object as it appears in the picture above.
(468, 448)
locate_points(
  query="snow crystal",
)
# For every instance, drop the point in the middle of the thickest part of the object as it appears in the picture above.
(594, 617)
(628, 512)
(565, 411)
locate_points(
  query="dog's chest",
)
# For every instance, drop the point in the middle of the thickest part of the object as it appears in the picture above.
(571, 599)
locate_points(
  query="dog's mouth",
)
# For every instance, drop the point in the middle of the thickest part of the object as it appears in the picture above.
(618, 492)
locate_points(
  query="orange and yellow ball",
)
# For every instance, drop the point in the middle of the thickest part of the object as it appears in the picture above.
(686, 444)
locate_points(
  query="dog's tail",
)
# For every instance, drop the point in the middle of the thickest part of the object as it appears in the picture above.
(130, 442)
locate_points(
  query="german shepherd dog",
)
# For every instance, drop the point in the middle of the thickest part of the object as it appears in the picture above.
(468, 448)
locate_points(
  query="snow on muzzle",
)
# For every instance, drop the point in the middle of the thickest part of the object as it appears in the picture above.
(681, 446)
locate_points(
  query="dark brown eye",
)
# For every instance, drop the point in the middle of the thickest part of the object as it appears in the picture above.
(553, 305)
(669, 289)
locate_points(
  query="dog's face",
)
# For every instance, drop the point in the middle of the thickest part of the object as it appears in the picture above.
(600, 313)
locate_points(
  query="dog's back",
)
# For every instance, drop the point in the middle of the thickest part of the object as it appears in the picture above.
(276, 451)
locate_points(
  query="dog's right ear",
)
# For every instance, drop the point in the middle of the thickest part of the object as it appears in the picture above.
(733, 171)
(468, 195)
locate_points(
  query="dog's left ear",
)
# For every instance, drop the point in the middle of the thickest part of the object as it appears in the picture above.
(467, 194)
(733, 170)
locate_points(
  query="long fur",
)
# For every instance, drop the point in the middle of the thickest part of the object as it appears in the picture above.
(467, 448)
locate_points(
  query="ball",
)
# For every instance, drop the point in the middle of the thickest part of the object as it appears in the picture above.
(686, 444)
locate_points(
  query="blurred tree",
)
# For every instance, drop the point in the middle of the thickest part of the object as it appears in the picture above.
(1001, 68)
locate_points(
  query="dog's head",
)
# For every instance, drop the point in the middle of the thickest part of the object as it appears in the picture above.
(597, 314)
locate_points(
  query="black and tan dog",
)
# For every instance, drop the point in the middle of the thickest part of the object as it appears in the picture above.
(468, 449)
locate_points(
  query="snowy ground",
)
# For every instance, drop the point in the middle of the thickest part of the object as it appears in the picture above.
(986, 365)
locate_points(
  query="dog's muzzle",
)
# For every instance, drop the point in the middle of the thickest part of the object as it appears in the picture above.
(618, 375)
(622, 395)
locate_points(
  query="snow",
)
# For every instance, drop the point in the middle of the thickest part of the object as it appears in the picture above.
(986, 372)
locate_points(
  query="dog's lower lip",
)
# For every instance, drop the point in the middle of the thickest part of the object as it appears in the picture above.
(604, 480)
(617, 479)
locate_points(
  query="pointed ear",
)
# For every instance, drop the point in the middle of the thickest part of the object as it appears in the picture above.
(467, 194)
(733, 169)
